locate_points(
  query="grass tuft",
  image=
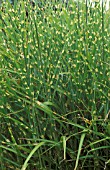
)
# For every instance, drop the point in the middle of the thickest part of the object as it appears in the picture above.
(54, 85)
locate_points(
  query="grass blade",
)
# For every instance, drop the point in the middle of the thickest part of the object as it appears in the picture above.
(79, 150)
(31, 154)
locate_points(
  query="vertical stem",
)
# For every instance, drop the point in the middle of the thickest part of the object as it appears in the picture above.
(94, 118)
(102, 30)
(78, 13)
(86, 11)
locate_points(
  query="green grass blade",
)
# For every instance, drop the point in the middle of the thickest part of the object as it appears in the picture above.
(31, 154)
(79, 150)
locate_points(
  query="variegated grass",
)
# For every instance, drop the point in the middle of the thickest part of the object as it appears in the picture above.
(54, 86)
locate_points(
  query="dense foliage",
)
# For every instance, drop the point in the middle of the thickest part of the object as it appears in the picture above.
(54, 86)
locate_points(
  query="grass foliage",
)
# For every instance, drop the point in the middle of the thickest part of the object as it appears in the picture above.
(54, 86)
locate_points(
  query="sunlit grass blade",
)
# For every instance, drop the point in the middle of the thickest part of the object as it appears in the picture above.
(31, 154)
(79, 149)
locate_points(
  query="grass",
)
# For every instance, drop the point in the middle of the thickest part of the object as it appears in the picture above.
(54, 86)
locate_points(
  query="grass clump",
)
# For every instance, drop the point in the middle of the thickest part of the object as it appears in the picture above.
(54, 86)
